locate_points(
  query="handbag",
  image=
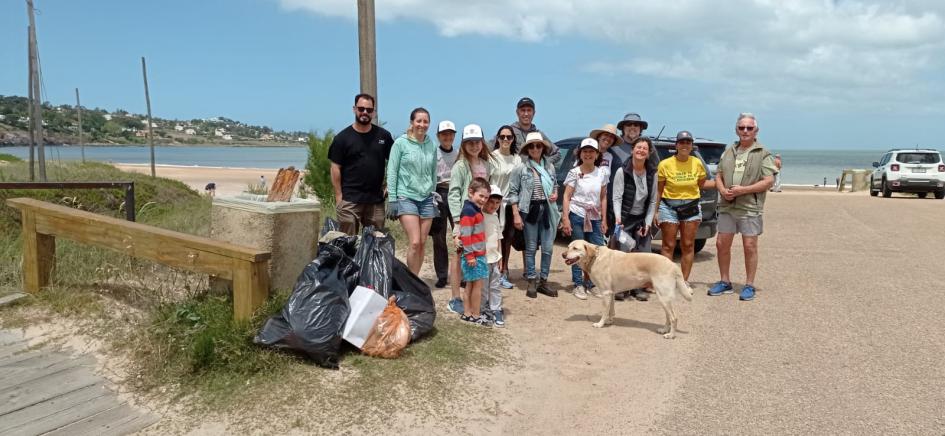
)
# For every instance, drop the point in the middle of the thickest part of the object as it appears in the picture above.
(686, 210)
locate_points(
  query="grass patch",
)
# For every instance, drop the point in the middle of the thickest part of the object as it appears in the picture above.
(9, 158)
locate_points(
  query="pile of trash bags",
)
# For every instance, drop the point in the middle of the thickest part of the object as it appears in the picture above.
(313, 319)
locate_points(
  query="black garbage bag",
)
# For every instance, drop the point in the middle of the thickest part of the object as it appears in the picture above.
(414, 298)
(329, 225)
(312, 320)
(374, 258)
(348, 244)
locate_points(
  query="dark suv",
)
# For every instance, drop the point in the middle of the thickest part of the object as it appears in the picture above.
(665, 147)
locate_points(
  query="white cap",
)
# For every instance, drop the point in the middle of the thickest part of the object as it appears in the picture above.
(589, 142)
(496, 190)
(446, 125)
(472, 131)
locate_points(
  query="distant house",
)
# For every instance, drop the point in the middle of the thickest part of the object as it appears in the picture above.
(219, 132)
(108, 117)
(301, 139)
(179, 128)
(23, 120)
(227, 137)
(144, 122)
(266, 137)
(2, 117)
(190, 132)
(141, 133)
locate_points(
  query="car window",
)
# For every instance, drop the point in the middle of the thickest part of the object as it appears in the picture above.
(885, 159)
(711, 153)
(918, 158)
(567, 158)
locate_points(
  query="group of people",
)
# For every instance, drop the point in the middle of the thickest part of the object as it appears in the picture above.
(488, 196)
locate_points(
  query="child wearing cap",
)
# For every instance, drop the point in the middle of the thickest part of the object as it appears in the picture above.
(472, 237)
(585, 203)
(492, 292)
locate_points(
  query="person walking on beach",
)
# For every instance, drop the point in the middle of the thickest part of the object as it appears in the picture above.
(411, 180)
(745, 173)
(358, 155)
(445, 158)
(777, 177)
(525, 111)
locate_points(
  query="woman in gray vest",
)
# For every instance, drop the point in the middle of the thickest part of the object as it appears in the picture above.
(634, 198)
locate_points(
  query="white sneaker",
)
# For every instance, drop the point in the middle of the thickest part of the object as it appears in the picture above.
(580, 293)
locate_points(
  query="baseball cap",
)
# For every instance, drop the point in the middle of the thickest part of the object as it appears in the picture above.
(496, 191)
(525, 101)
(589, 142)
(683, 135)
(472, 131)
(446, 125)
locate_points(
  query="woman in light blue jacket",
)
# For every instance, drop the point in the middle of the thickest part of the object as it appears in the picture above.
(411, 180)
(533, 194)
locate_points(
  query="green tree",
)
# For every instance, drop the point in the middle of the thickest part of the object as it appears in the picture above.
(318, 169)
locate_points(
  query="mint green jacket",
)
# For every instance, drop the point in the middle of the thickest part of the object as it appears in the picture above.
(411, 169)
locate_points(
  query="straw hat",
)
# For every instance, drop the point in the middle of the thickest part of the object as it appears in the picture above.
(536, 137)
(608, 128)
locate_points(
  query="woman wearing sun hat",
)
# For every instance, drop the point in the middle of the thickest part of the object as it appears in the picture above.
(608, 140)
(533, 194)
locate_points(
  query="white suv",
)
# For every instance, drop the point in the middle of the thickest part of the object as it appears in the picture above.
(920, 171)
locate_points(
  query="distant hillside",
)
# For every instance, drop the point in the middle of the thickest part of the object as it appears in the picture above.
(61, 126)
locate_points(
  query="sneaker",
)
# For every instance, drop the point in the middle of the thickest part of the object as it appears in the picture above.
(580, 293)
(594, 292)
(623, 295)
(720, 288)
(543, 288)
(639, 294)
(487, 314)
(748, 293)
(504, 282)
(455, 305)
(477, 320)
(498, 318)
(440, 283)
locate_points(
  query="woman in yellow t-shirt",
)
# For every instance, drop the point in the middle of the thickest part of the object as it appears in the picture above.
(679, 179)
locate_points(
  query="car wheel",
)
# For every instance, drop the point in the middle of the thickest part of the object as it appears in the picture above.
(940, 194)
(886, 191)
(700, 244)
(923, 194)
(873, 191)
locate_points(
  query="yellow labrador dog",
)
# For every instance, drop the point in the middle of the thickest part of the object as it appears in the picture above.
(612, 269)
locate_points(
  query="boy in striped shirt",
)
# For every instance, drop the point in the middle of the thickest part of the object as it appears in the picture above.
(472, 237)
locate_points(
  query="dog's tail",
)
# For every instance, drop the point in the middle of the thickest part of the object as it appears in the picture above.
(682, 287)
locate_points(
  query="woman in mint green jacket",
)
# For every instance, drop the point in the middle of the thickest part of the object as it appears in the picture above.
(411, 181)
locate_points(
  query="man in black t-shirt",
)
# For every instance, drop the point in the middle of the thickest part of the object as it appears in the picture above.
(358, 155)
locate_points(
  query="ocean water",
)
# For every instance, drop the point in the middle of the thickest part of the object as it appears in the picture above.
(806, 167)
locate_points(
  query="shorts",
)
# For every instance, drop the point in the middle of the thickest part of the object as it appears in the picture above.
(746, 225)
(425, 209)
(668, 214)
(473, 273)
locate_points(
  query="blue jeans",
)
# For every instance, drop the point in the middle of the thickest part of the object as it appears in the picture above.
(538, 235)
(595, 236)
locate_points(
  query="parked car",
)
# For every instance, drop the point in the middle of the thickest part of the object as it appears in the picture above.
(915, 170)
(665, 147)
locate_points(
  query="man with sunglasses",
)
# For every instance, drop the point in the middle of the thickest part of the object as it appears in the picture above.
(525, 111)
(745, 173)
(358, 155)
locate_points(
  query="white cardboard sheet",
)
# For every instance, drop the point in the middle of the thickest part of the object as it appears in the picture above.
(366, 306)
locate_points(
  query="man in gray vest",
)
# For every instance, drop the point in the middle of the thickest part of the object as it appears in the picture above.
(745, 173)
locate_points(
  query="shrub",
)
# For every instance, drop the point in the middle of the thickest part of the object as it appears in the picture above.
(318, 169)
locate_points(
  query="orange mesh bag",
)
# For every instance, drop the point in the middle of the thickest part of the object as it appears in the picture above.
(390, 334)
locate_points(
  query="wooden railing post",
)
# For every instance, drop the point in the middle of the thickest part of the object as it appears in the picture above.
(39, 254)
(250, 288)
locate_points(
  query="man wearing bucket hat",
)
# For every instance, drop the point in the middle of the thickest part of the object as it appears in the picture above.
(533, 194)
(525, 111)
(631, 128)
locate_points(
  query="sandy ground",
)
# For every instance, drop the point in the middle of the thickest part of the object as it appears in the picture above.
(230, 181)
(844, 337)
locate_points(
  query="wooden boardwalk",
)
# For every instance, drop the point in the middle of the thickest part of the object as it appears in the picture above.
(51, 392)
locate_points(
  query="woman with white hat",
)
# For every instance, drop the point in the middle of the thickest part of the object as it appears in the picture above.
(608, 140)
(533, 193)
(585, 206)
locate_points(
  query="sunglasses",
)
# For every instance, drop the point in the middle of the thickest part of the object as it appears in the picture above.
(746, 128)
(506, 137)
(367, 110)
(534, 145)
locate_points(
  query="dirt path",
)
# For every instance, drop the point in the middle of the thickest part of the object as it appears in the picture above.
(844, 338)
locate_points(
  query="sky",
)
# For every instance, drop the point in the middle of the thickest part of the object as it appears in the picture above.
(818, 74)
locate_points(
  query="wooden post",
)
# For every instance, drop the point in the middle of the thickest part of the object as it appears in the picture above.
(39, 254)
(78, 107)
(250, 288)
(29, 68)
(147, 98)
(37, 117)
(367, 51)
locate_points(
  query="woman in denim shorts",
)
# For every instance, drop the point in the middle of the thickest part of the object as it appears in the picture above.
(411, 181)
(679, 179)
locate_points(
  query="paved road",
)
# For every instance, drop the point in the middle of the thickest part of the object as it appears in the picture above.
(847, 335)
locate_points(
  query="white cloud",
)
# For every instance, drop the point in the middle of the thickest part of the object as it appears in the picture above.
(823, 51)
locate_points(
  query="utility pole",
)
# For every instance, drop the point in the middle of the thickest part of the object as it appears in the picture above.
(367, 51)
(147, 98)
(37, 117)
(29, 67)
(78, 107)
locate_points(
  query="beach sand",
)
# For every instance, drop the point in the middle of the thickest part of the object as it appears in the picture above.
(230, 181)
